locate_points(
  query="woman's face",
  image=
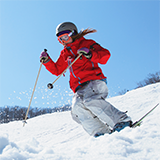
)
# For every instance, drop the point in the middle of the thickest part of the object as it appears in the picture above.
(65, 39)
(65, 43)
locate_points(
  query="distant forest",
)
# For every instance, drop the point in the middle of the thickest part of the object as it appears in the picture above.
(16, 113)
(150, 79)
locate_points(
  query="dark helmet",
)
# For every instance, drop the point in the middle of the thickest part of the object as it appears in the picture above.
(66, 26)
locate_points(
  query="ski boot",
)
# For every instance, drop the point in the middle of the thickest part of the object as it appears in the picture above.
(121, 125)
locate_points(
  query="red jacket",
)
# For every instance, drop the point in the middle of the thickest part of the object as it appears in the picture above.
(83, 69)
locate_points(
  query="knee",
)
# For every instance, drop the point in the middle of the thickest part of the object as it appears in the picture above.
(78, 110)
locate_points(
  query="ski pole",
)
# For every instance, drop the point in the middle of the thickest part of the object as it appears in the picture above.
(45, 50)
(50, 85)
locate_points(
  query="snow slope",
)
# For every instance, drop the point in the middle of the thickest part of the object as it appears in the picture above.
(57, 137)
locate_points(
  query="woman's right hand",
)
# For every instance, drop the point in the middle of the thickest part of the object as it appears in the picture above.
(44, 56)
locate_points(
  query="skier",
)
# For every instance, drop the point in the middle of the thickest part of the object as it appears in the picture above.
(89, 107)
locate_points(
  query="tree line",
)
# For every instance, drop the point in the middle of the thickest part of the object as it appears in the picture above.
(16, 113)
(150, 79)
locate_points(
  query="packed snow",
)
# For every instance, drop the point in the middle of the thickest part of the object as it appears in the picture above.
(57, 137)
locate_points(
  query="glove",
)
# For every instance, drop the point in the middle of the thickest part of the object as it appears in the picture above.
(43, 57)
(85, 51)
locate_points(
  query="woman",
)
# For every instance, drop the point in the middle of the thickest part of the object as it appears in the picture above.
(87, 81)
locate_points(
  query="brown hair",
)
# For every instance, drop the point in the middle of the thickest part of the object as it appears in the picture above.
(83, 33)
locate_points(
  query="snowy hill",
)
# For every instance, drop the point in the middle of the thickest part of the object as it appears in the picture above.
(57, 137)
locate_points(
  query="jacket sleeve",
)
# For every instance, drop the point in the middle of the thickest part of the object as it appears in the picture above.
(99, 54)
(57, 67)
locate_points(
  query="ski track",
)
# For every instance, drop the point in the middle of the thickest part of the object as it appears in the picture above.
(57, 137)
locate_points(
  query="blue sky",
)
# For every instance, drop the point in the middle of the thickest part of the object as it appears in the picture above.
(129, 29)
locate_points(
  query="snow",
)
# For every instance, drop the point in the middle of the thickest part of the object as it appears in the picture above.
(42, 97)
(57, 137)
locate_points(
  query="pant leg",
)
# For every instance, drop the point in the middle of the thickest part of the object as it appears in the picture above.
(86, 118)
(94, 100)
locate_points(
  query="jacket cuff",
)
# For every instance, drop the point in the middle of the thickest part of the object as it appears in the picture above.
(47, 60)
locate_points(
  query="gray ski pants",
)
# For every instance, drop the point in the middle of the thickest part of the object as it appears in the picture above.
(92, 111)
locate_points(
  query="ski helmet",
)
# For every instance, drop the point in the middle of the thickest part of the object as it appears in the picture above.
(66, 26)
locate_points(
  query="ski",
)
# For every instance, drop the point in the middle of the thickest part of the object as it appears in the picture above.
(138, 123)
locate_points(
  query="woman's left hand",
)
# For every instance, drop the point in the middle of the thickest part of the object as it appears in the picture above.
(85, 51)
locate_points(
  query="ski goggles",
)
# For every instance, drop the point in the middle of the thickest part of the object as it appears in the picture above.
(65, 38)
